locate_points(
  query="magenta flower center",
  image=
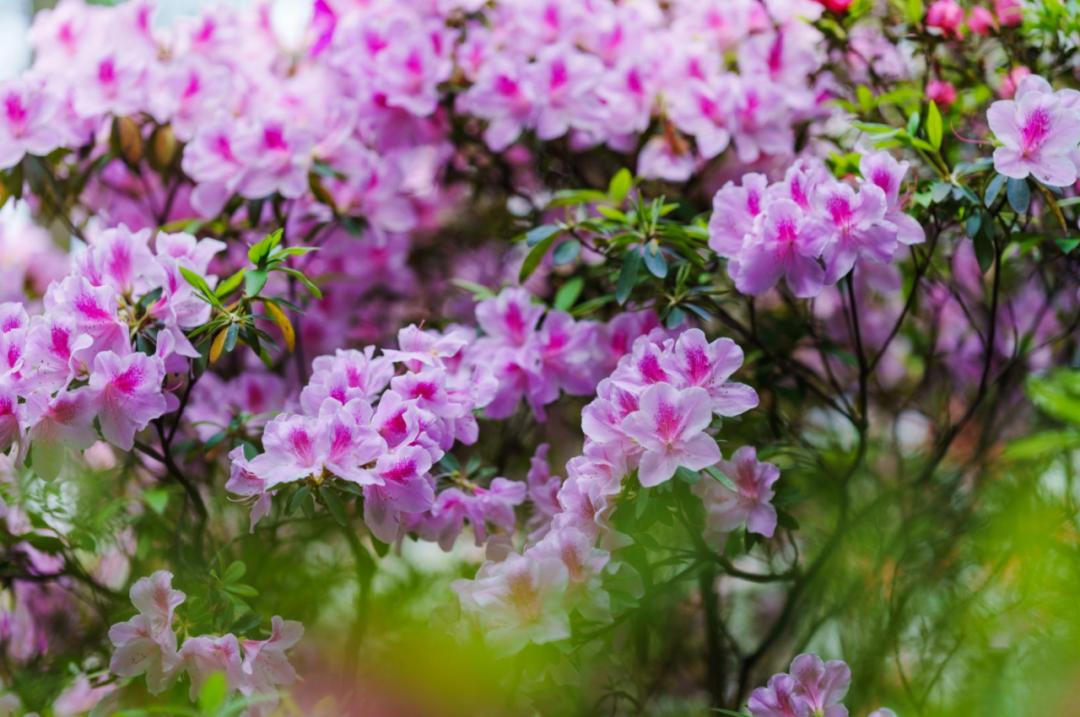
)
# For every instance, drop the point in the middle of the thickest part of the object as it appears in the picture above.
(128, 380)
(1035, 130)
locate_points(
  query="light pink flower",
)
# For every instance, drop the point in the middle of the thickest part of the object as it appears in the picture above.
(670, 426)
(146, 643)
(1038, 135)
(784, 245)
(709, 366)
(853, 227)
(750, 504)
(29, 119)
(126, 392)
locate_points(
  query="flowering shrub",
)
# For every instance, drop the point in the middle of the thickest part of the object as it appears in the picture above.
(541, 356)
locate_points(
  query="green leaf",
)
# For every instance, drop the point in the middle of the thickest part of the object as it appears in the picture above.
(536, 255)
(655, 261)
(628, 275)
(479, 291)
(720, 477)
(334, 505)
(1019, 194)
(260, 250)
(231, 284)
(675, 318)
(303, 279)
(993, 189)
(254, 281)
(1057, 395)
(538, 234)
(234, 572)
(213, 692)
(940, 191)
(913, 123)
(1042, 444)
(984, 251)
(1067, 245)
(620, 185)
(566, 252)
(568, 293)
(296, 499)
(157, 499)
(201, 286)
(933, 125)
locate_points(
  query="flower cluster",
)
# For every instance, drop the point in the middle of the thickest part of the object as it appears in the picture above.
(363, 91)
(810, 228)
(651, 416)
(75, 362)
(379, 422)
(811, 687)
(382, 421)
(1039, 130)
(147, 644)
(559, 67)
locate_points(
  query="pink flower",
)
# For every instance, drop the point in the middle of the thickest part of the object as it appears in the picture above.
(333, 443)
(785, 245)
(664, 158)
(1011, 81)
(853, 227)
(511, 316)
(670, 426)
(981, 21)
(518, 600)
(946, 15)
(1009, 12)
(10, 418)
(404, 488)
(110, 84)
(822, 684)
(941, 92)
(146, 643)
(709, 366)
(265, 665)
(564, 80)
(57, 425)
(276, 156)
(727, 509)
(812, 689)
(778, 699)
(126, 391)
(881, 169)
(205, 655)
(29, 118)
(1038, 135)
(735, 208)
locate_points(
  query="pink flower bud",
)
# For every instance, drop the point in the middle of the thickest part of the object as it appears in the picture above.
(981, 21)
(945, 15)
(941, 92)
(1009, 12)
(1011, 80)
(837, 6)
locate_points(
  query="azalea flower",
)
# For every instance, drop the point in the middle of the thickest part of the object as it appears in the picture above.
(669, 426)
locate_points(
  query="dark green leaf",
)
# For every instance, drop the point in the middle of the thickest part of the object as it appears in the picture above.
(566, 252)
(627, 276)
(655, 261)
(538, 234)
(993, 189)
(536, 255)
(1019, 194)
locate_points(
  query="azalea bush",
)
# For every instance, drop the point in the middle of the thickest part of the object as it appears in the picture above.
(542, 357)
